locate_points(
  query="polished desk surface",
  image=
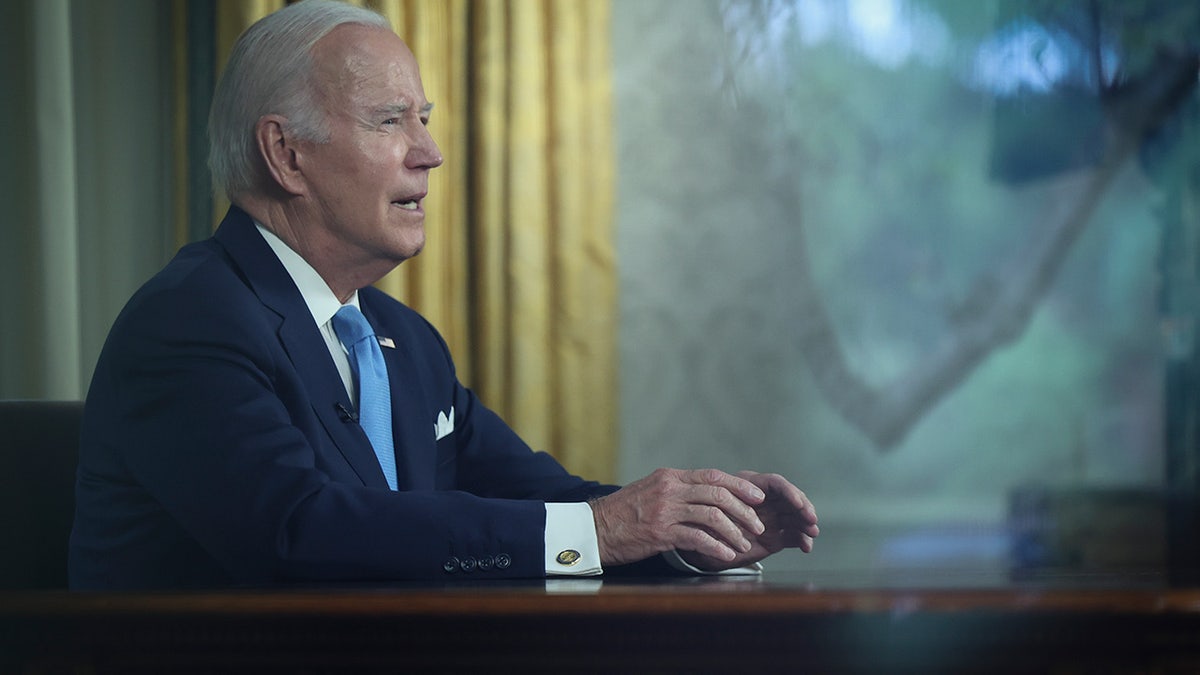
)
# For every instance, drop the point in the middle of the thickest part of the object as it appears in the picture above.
(945, 590)
(843, 621)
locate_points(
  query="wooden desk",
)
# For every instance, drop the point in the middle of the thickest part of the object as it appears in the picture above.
(790, 622)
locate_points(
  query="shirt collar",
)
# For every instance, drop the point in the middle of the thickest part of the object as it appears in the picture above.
(316, 293)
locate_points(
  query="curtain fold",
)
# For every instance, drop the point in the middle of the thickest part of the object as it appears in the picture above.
(55, 124)
(82, 180)
(518, 271)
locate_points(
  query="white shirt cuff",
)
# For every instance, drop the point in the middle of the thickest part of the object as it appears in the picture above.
(571, 546)
(675, 560)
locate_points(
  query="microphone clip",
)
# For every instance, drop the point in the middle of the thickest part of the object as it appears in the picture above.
(346, 414)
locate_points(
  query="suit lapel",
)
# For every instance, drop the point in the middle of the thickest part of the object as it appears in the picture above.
(302, 341)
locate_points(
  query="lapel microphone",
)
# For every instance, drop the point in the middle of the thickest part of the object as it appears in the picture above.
(345, 413)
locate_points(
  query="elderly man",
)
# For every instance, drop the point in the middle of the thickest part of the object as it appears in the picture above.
(260, 414)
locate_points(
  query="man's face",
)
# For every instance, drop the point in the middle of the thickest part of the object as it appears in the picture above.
(368, 182)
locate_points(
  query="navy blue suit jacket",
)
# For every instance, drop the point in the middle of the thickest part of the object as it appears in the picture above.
(216, 448)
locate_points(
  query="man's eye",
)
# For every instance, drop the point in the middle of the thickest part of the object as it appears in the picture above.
(392, 120)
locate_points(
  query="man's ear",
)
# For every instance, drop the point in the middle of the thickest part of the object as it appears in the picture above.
(278, 150)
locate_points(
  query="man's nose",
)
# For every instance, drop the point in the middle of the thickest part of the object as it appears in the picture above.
(424, 152)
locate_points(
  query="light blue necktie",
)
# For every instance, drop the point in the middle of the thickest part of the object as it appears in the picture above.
(370, 373)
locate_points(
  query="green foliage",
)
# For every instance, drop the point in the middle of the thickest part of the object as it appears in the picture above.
(922, 191)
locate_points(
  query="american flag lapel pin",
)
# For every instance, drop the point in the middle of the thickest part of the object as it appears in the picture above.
(386, 342)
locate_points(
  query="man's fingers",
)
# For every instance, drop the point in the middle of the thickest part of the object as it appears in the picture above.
(781, 488)
(716, 524)
(689, 538)
(743, 489)
(800, 540)
(736, 497)
(738, 511)
(681, 489)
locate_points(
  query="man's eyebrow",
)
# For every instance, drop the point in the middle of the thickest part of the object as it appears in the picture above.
(401, 108)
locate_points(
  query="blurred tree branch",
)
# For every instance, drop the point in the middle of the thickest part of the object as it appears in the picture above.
(995, 314)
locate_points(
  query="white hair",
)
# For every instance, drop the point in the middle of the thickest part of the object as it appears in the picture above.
(270, 72)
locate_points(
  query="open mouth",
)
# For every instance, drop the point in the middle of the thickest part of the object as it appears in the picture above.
(410, 203)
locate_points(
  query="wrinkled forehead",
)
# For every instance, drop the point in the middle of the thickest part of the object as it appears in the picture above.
(365, 65)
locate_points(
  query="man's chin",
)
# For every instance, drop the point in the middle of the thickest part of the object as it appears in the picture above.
(415, 252)
(409, 250)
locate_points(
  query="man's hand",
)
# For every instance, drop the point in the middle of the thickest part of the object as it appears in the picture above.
(709, 512)
(789, 518)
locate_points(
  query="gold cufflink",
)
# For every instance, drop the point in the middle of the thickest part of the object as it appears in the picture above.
(568, 557)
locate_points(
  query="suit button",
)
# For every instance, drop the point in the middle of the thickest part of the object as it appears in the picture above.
(485, 563)
(467, 564)
(503, 561)
(451, 565)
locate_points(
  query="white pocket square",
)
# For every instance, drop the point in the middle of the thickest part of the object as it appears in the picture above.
(444, 425)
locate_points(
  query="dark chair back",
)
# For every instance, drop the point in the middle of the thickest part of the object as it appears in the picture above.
(39, 450)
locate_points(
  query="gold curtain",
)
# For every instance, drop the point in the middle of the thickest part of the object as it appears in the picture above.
(542, 179)
(518, 272)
